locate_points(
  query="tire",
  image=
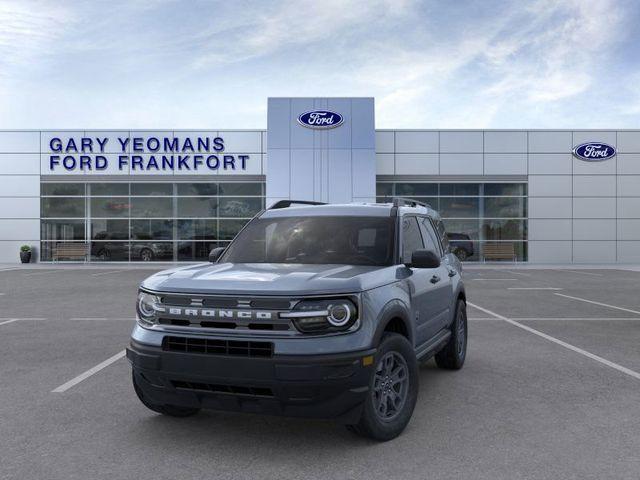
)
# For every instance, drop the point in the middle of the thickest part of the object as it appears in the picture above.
(169, 410)
(452, 356)
(146, 255)
(461, 253)
(385, 415)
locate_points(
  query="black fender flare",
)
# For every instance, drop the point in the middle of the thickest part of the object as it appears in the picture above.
(393, 309)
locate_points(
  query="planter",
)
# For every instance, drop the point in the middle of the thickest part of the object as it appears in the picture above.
(25, 257)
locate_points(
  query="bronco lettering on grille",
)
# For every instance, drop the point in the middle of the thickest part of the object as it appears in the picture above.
(218, 313)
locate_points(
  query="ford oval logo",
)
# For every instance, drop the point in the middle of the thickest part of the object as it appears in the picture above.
(594, 151)
(321, 119)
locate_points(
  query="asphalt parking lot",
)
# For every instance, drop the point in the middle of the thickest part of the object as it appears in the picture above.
(550, 390)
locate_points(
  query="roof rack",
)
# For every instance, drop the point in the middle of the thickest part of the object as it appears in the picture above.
(408, 202)
(288, 203)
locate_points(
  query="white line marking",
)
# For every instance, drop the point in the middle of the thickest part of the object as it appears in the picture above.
(533, 288)
(598, 303)
(568, 346)
(519, 273)
(9, 321)
(105, 273)
(22, 319)
(40, 273)
(97, 319)
(1, 293)
(83, 376)
(10, 269)
(579, 272)
(563, 319)
(495, 279)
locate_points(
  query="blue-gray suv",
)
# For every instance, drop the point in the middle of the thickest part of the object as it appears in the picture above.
(313, 310)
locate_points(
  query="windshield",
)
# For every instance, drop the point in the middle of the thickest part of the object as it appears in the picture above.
(339, 240)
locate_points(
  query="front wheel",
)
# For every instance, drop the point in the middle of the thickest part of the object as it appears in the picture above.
(452, 356)
(393, 390)
(170, 410)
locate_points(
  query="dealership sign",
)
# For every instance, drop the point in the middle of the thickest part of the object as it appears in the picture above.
(142, 154)
(594, 151)
(320, 119)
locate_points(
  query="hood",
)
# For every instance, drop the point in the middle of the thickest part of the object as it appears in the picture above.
(270, 279)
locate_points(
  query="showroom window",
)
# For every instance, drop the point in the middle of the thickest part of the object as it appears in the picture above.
(145, 221)
(475, 214)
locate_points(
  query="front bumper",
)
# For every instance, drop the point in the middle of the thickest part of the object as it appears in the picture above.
(314, 386)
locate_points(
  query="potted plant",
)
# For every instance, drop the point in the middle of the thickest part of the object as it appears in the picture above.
(25, 253)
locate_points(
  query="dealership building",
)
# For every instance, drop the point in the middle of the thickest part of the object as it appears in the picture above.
(537, 196)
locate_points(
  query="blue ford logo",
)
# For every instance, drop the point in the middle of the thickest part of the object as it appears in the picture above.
(321, 119)
(594, 151)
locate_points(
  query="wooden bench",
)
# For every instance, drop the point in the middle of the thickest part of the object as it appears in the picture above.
(70, 250)
(499, 251)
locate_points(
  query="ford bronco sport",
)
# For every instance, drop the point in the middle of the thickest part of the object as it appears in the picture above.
(313, 310)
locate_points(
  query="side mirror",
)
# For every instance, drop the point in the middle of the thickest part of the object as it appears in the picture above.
(424, 259)
(215, 254)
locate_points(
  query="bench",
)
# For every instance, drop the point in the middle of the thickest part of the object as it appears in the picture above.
(70, 250)
(499, 251)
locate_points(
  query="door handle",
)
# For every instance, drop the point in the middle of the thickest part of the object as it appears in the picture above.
(435, 279)
(452, 273)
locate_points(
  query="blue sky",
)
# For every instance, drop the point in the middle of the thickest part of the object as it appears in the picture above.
(429, 64)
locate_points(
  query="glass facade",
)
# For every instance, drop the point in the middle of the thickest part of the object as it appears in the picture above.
(146, 221)
(478, 216)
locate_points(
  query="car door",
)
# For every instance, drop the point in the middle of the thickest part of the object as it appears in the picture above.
(423, 291)
(443, 286)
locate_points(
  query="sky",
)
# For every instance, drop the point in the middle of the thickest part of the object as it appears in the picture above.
(429, 64)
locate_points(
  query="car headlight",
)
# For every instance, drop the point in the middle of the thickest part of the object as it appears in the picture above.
(324, 315)
(148, 306)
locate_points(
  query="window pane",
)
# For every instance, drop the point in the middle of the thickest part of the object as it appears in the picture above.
(147, 189)
(62, 189)
(62, 207)
(197, 207)
(197, 230)
(413, 189)
(151, 229)
(110, 229)
(505, 189)
(384, 189)
(110, 251)
(459, 189)
(106, 189)
(512, 207)
(197, 251)
(151, 251)
(504, 229)
(240, 207)
(460, 207)
(462, 229)
(62, 229)
(230, 228)
(240, 189)
(110, 207)
(151, 207)
(197, 189)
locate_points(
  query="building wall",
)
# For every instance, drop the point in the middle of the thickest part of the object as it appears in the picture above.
(335, 165)
(579, 212)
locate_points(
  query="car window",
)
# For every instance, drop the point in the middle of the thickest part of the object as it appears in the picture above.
(411, 238)
(431, 241)
(443, 235)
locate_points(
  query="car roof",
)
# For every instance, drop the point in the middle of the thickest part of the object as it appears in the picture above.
(347, 209)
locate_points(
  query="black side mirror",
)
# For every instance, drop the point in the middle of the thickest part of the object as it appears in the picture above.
(215, 254)
(424, 259)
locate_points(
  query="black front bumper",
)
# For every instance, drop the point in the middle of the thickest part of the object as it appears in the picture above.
(319, 386)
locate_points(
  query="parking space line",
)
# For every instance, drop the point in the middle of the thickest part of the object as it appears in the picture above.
(11, 320)
(598, 303)
(106, 273)
(519, 273)
(83, 376)
(534, 288)
(566, 345)
(101, 319)
(495, 279)
(40, 273)
(578, 272)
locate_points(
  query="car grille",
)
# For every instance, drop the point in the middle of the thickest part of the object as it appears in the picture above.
(209, 346)
(228, 389)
